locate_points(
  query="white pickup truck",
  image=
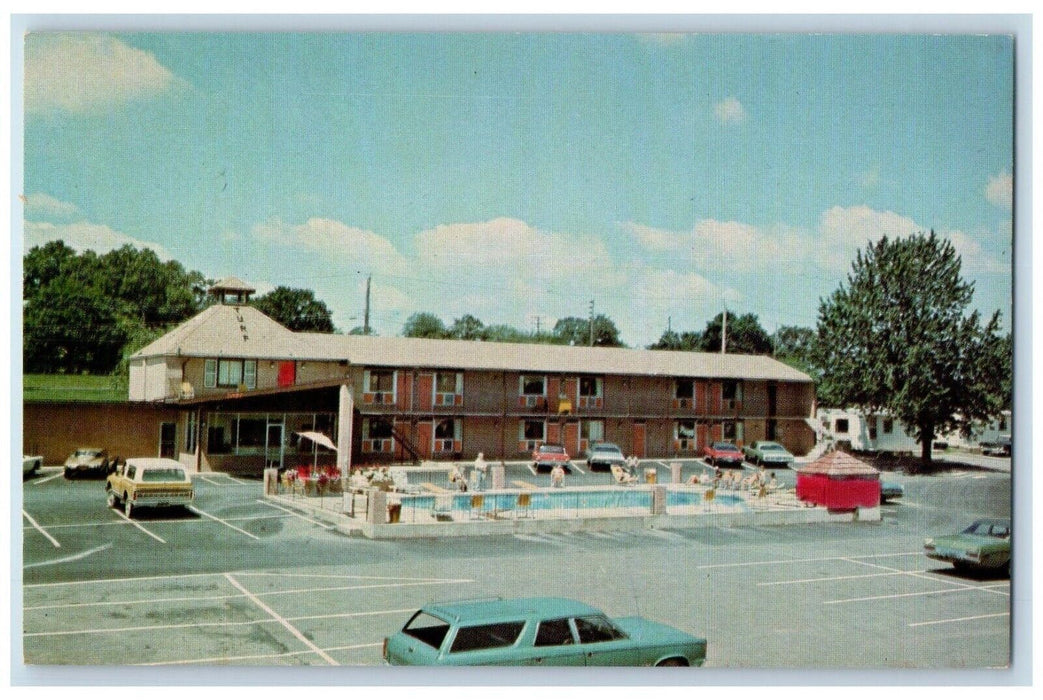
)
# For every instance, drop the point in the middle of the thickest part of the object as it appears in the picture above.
(152, 482)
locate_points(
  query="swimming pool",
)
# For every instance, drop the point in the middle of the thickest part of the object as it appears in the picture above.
(570, 499)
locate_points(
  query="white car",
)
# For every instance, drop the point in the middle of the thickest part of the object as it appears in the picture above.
(30, 464)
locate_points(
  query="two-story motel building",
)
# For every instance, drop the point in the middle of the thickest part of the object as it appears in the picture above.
(240, 387)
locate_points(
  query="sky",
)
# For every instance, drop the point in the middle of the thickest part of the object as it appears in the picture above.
(519, 177)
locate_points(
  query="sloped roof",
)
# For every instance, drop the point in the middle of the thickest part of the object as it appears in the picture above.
(225, 331)
(231, 284)
(219, 332)
(840, 464)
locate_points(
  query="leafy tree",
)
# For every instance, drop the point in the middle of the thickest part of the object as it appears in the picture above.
(424, 325)
(744, 335)
(897, 337)
(297, 309)
(503, 333)
(467, 327)
(672, 340)
(70, 328)
(794, 345)
(576, 331)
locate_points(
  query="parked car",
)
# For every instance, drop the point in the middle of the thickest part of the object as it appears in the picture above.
(890, 490)
(1000, 448)
(985, 544)
(723, 454)
(536, 632)
(602, 455)
(152, 482)
(31, 464)
(546, 456)
(87, 461)
(767, 453)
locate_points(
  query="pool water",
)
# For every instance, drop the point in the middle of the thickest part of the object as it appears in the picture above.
(564, 500)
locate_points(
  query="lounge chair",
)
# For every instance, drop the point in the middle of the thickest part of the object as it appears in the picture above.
(622, 477)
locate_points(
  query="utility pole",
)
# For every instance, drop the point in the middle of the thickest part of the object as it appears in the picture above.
(591, 323)
(724, 331)
(365, 321)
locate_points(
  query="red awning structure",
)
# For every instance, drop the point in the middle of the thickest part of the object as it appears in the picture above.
(839, 481)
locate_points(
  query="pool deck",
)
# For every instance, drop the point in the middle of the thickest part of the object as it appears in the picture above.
(773, 509)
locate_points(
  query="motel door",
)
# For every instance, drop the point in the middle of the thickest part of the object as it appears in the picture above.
(572, 438)
(273, 447)
(637, 442)
(167, 439)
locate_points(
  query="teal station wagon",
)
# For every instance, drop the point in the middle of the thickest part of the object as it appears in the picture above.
(536, 632)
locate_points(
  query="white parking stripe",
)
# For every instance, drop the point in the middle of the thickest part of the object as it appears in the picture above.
(71, 557)
(925, 575)
(576, 467)
(958, 619)
(837, 578)
(223, 522)
(802, 561)
(296, 514)
(256, 657)
(140, 527)
(39, 529)
(282, 621)
(916, 594)
(45, 479)
(209, 481)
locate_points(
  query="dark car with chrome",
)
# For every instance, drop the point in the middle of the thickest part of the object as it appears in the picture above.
(603, 455)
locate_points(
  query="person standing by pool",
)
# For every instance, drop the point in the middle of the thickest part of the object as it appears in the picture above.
(557, 476)
(478, 475)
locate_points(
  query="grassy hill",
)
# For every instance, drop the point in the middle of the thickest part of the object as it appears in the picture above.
(73, 387)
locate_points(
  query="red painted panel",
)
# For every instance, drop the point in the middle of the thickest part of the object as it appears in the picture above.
(425, 385)
(572, 438)
(702, 434)
(287, 373)
(405, 390)
(840, 494)
(425, 431)
(700, 397)
(716, 392)
(553, 433)
(637, 442)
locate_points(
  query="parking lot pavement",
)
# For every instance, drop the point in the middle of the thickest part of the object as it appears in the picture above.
(236, 581)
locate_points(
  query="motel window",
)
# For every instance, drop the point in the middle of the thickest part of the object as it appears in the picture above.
(841, 426)
(449, 383)
(1003, 424)
(376, 429)
(533, 385)
(533, 430)
(448, 429)
(733, 431)
(888, 426)
(684, 389)
(590, 386)
(684, 430)
(873, 420)
(251, 432)
(379, 381)
(210, 374)
(731, 390)
(190, 433)
(592, 430)
(230, 373)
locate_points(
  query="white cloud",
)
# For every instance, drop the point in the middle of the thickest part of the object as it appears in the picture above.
(39, 206)
(86, 72)
(974, 258)
(729, 111)
(83, 235)
(1000, 190)
(346, 244)
(713, 244)
(843, 231)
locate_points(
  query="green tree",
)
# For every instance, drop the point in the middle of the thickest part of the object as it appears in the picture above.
(70, 328)
(672, 340)
(745, 335)
(795, 345)
(424, 325)
(297, 309)
(467, 327)
(577, 331)
(897, 337)
(503, 333)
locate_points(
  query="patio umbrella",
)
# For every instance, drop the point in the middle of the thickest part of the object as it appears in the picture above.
(318, 438)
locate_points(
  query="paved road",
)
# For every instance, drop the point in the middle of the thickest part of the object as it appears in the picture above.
(239, 581)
